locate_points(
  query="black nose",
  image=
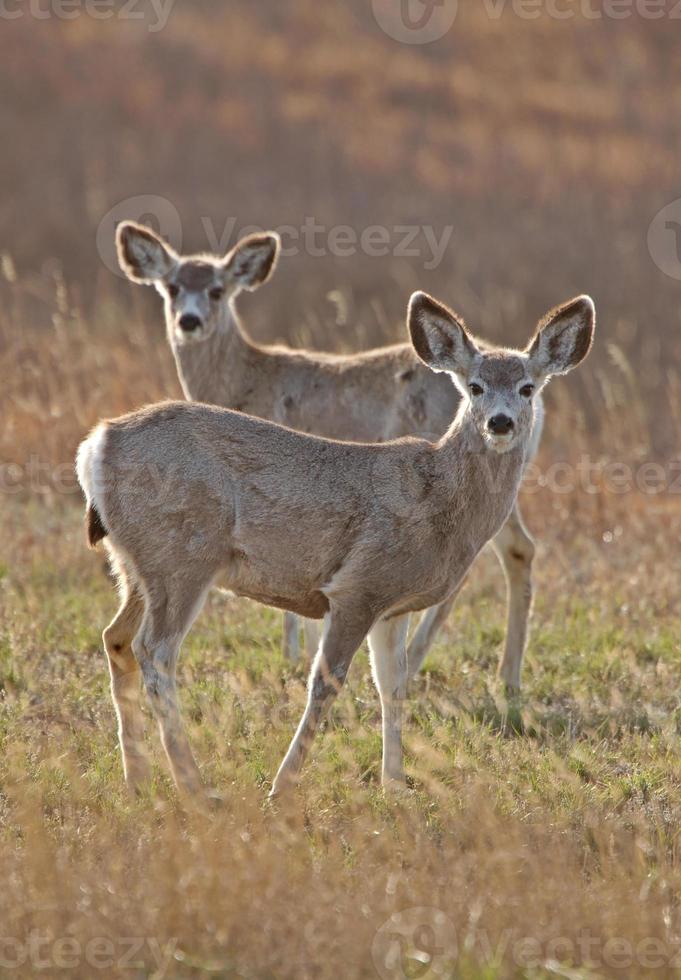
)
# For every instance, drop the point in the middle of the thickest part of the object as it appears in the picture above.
(189, 321)
(500, 424)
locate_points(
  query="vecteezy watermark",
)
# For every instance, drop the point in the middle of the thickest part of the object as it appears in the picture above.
(400, 486)
(422, 941)
(154, 13)
(39, 951)
(308, 238)
(415, 21)
(604, 476)
(423, 21)
(586, 9)
(664, 239)
(415, 942)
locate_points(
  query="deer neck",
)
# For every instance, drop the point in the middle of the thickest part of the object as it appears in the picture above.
(217, 370)
(483, 483)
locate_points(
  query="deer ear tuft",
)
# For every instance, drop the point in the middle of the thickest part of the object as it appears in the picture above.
(253, 260)
(439, 336)
(142, 254)
(564, 337)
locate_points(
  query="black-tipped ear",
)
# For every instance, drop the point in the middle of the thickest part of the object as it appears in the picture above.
(439, 336)
(142, 254)
(564, 337)
(253, 260)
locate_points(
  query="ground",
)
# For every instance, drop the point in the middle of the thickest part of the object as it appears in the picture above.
(530, 830)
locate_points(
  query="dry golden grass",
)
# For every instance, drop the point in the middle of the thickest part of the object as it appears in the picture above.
(531, 854)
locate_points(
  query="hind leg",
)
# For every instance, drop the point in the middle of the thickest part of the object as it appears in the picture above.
(290, 645)
(169, 616)
(515, 549)
(126, 682)
(424, 634)
(291, 639)
(311, 634)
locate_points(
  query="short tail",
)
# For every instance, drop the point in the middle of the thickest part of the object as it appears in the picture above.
(88, 468)
(96, 531)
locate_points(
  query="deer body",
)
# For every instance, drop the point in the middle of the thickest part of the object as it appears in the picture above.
(371, 396)
(357, 534)
(288, 518)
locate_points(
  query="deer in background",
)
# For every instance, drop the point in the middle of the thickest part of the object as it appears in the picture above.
(372, 396)
(183, 493)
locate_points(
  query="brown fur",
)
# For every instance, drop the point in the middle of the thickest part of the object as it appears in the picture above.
(195, 275)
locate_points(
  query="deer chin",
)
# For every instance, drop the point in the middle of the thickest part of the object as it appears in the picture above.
(500, 443)
(185, 338)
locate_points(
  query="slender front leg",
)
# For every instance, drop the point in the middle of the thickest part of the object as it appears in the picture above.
(290, 645)
(342, 634)
(515, 549)
(388, 648)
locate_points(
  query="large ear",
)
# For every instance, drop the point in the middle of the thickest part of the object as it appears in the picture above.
(253, 260)
(440, 337)
(564, 338)
(142, 254)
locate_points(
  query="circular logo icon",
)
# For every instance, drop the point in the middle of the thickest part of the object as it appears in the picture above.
(414, 943)
(415, 21)
(149, 209)
(664, 239)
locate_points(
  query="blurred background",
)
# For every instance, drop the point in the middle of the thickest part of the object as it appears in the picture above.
(535, 151)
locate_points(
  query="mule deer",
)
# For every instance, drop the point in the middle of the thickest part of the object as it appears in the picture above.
(373, 396)
(184, 492)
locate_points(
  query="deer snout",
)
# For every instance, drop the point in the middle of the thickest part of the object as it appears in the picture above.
(500, 425)
(190, 321)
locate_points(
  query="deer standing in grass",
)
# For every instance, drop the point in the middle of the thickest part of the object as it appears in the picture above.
(358, 534)
(373, 396)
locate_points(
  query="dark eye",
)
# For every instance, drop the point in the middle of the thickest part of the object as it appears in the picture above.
(526, 391)
(173, 290)
(475, 389)
(217, 293)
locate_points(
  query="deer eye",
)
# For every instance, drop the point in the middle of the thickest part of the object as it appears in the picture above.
(217, 293)
(173, 290)
(475, 389)
(526, 391)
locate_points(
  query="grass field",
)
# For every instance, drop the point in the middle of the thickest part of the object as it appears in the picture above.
(538, 838)
(528, 844)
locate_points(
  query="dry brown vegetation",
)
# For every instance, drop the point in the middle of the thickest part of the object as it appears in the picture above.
(549, 146)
